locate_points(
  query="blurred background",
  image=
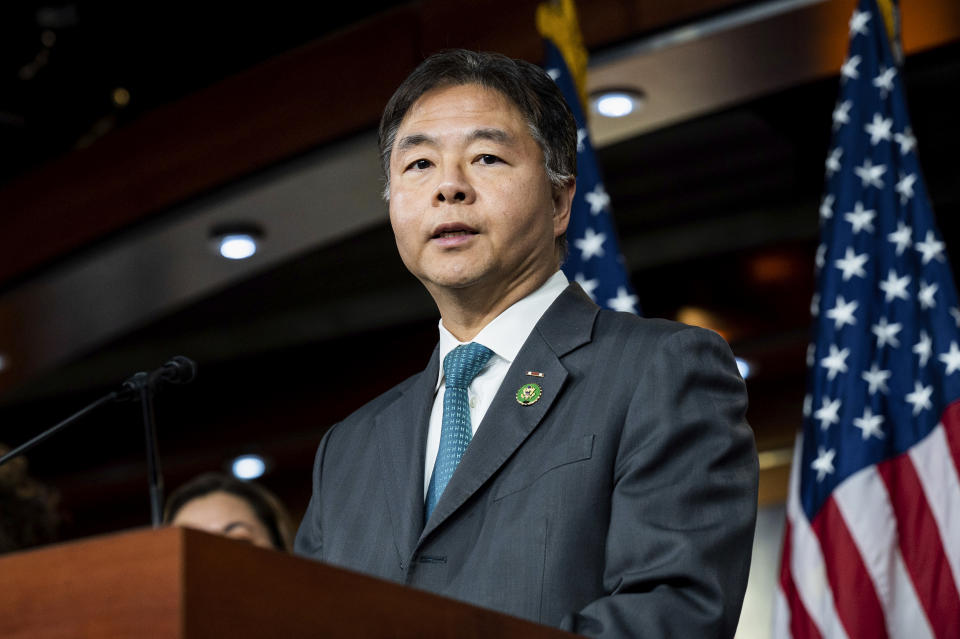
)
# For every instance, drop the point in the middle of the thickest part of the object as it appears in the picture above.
(136, 136)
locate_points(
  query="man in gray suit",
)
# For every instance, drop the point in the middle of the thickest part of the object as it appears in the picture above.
(609, 485)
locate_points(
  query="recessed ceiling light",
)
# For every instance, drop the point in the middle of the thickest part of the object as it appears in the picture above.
(744, 367)
(236, 242)
(617, 103)
(239, 246)
(248, 466)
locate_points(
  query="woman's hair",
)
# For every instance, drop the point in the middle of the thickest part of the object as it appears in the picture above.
(29, 510)
(264, 504)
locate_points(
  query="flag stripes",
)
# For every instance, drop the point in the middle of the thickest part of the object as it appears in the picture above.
(799, 624)
(941, 486)
(868, 514)
(921, 545)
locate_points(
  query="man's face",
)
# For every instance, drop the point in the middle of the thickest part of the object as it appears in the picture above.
(470, 201)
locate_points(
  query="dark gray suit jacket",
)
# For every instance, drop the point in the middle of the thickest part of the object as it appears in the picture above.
(621, 504)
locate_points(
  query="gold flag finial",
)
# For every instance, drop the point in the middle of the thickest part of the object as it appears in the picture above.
(891, 19)
(557, 21)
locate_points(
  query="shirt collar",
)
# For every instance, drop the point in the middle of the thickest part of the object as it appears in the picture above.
(507, 332)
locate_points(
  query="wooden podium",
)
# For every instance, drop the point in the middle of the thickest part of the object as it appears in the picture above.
(187, 584)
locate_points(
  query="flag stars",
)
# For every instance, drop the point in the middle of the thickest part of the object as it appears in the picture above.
(841, 116)
(886, 333)
(823, 464)
(597, 199)
(852, 264)
(821, 258)
(901, 237)
(624, 301)
(842, 313)
(591, 244)
(581, 138)
(951, 359)
(554, 73)
(920, 398)
(869, 174)
(807, 404)
(931, 248)
(858, 22)
(906, 141)
(832, 163)
(879, 129)
(828, 413)
(588, 286)
(884, 81)
(811, 354)
(924, 348)
(815, 305)
(849, 69)
(860, 219)
(905, 186)
(956, 316)
(835, 362)
(895, 287)
(869, 424)
(925, 296)
(826, 207)
(876, 379)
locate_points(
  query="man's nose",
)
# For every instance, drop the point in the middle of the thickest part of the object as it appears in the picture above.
(455, 188)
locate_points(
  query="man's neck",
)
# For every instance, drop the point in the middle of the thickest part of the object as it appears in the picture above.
(465, 312)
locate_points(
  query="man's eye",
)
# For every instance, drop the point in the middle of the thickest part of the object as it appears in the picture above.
(419, 165)
(486, 158)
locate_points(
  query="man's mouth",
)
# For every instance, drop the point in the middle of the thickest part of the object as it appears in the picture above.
(452, 230)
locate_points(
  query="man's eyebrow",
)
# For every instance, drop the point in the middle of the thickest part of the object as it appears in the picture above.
(492, 134)
(415, 140)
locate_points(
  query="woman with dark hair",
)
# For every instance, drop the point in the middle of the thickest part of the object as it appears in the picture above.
(29, 509)
(220, 504)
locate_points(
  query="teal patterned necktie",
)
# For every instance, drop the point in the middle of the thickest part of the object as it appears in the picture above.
(460, 367)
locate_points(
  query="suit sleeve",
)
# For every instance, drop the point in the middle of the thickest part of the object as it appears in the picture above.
(309, 540)
(684, 500)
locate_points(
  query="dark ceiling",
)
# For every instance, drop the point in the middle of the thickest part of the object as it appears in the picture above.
(60, 62)
(716, 216)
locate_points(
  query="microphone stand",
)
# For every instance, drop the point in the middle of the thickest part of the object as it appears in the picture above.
(142, 386)
(50, 432)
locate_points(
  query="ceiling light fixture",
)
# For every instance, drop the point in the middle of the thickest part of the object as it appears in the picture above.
(617, 103)
(236, 242)
(248, 467)
(743, 366)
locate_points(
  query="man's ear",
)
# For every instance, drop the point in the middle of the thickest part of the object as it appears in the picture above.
(562, 204)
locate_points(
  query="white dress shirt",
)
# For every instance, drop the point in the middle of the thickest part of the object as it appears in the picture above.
(504, 336)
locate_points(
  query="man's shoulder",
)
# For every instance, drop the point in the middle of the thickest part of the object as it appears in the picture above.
(575, 321)
(647, 330)
(380, 402)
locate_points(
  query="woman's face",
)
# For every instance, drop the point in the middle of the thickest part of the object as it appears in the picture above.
(224, 514)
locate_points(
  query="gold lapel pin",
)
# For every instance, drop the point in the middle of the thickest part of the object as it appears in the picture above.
(529, 394)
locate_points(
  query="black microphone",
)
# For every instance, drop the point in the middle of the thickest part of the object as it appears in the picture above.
(179, 370)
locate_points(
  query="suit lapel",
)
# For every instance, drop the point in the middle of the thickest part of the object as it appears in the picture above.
(401, 432)
(566, 325)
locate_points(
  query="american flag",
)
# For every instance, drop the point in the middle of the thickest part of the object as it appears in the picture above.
(594, 260)
(872, 540)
